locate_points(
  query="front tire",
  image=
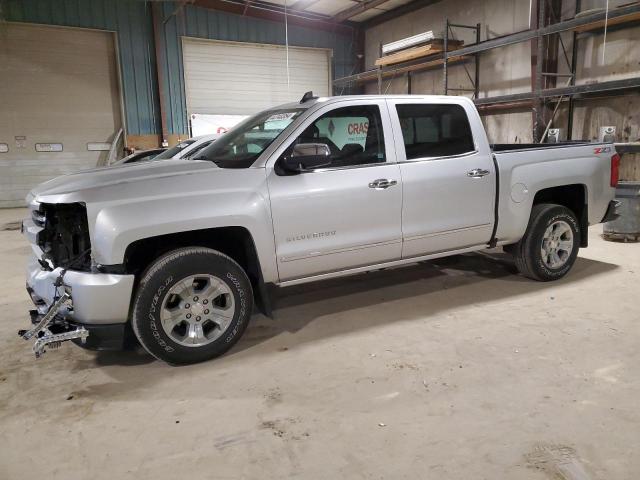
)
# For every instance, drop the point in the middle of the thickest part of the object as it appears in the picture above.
(550, 245)
(192, 304)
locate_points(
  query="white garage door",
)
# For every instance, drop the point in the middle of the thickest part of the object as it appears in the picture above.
(59, 97)
(229, 78)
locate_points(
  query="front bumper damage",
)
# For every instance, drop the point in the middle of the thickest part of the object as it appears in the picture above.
(90, 309)
(52, 328)
(73, 300)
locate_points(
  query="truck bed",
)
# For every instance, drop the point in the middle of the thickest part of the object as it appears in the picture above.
(508, 147)
(583, 169)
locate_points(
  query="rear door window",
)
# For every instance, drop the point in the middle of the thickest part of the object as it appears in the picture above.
(434, 130)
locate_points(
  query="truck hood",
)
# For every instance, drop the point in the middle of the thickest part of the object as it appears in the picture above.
(105, 176)
(130, 203)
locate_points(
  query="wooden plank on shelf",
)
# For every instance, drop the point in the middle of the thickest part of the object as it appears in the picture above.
(372, 75)
(433, 47)
(426, 65)
(631, 17)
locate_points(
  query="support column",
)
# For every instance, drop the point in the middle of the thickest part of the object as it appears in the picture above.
(445, 73)
(379, 70)
(537, 53)
(157, 15)
(476, 85)
(574, 64)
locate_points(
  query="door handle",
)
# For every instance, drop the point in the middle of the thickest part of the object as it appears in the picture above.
(478, 173)
(382, 183)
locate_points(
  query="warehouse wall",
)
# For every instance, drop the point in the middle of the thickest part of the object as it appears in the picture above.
(503, 71)
(508, 69)
(621, 60)
(215, 25)
(132, 22)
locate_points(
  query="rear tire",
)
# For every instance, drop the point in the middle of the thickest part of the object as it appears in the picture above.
(550, 244)
(192, 304)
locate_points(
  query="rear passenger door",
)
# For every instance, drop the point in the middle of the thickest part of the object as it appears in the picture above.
(447, 174)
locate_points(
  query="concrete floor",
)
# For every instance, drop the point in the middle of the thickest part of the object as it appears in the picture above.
(458, 369)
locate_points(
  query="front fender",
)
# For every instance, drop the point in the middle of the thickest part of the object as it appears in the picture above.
(118, 226)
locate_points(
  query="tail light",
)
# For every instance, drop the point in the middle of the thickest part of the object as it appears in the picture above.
(615, 169)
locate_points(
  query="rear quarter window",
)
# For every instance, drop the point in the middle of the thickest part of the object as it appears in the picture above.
(434, 130)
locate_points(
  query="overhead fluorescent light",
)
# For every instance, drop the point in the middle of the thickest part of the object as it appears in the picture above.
(407, 42)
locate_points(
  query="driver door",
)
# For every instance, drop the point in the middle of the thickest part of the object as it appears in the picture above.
(346, 214)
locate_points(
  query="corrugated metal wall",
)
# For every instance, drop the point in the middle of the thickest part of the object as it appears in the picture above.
(199, 22)
(132, 20)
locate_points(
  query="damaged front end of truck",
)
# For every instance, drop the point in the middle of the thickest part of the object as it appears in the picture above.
(60, 266)
(61, 235)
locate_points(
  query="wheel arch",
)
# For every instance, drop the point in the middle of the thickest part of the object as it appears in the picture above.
(234, 241)
(575, 198)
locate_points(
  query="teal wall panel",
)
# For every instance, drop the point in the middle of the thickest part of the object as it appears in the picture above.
(131, 20)
(193, 21)
(133, 24)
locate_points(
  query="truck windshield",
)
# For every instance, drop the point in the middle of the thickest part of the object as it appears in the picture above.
(243, 144)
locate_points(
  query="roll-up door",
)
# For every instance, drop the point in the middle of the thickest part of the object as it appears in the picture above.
(231, 78)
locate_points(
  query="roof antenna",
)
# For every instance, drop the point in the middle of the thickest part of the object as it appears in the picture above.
(307, 96)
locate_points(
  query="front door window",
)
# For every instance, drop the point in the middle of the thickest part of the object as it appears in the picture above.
(354, 136)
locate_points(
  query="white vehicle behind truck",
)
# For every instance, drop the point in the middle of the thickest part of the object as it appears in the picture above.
(175, 254)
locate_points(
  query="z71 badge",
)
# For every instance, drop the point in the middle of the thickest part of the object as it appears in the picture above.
(598, 150)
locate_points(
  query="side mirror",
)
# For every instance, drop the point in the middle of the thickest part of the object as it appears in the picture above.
(307, 156)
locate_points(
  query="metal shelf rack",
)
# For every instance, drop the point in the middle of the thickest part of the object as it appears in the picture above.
(622, 17)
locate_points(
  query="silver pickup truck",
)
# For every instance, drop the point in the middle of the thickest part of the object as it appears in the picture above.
(175, 253)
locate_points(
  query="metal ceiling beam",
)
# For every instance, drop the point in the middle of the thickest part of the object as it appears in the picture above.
(398, 12)
(357, 10)
(301, 5)
(275, 12)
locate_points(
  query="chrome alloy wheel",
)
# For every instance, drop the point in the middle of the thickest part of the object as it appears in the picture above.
(197, 310)
(557, 244)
